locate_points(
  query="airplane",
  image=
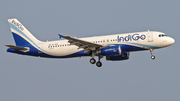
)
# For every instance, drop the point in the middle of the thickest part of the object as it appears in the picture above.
(114, 47)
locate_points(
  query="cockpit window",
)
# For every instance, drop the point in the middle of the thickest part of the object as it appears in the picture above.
(162, 35)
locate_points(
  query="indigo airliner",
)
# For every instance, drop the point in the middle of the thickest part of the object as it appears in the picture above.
(114, 47)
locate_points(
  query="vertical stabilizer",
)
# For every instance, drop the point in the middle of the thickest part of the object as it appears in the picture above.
(21, 35)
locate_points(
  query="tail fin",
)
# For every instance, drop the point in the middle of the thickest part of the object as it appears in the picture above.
(21, 35)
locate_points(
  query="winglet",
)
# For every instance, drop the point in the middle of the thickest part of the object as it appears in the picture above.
(60, 36)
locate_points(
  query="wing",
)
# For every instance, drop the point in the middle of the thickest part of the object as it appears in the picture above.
(87, 46)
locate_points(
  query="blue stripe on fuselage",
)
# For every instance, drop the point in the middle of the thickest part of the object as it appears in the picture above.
(130, 48)
(143, 45)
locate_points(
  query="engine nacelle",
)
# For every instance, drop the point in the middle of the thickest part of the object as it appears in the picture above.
(123, 56)
(112, 50)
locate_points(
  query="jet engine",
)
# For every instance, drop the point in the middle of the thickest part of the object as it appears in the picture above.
(123, 56)
(112, 50)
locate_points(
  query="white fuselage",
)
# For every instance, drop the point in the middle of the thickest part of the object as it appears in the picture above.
(145, 40)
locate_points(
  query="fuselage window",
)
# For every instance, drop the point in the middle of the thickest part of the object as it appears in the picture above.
(162, 35)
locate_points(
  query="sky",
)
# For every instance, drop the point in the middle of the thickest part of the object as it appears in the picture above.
(26, 78)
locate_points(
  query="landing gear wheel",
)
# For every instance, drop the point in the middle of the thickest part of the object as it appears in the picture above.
(153, 57)
(92, 61)
(99, 64)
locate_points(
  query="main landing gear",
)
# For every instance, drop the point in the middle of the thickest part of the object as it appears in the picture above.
(99, 64)
(93, 61)
(152, 56)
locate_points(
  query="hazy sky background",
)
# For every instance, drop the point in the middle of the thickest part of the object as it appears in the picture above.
(25, 78)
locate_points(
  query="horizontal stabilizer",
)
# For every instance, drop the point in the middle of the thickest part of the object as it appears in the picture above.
(17, 48)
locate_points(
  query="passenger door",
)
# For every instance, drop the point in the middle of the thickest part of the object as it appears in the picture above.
(150, 36)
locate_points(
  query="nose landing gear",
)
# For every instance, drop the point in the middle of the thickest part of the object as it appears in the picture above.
(152, 56)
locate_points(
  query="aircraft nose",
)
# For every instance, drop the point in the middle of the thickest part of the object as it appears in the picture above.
(171, 41)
